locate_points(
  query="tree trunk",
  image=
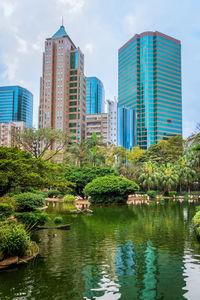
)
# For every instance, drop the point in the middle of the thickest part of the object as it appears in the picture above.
(181, 188)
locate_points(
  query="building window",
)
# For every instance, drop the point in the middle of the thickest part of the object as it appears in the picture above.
(73, 109)
(72, 91)
(72, 117)
(74, 60)
(72, 125)
(73, 103)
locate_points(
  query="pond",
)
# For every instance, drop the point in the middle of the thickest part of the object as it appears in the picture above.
(121, 252)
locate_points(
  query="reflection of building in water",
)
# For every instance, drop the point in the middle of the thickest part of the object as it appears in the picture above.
(101, 274)
(139, 260)
(146, 273)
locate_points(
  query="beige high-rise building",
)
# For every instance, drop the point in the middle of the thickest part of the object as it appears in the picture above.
(97, 123)
(7, 131)
(63, 86)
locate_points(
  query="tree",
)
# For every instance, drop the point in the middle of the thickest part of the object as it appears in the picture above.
(149, 176)
(165, 151)
(114, 155)
(134, 154)
(77, 153)
(82, 176)
(187, 168)
(39, 142)
(169, 177)
(110, 189)
(19, 170)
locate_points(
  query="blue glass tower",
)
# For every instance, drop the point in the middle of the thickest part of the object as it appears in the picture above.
(95, 96)
(16, 104)
(149, 81)
(126, 127)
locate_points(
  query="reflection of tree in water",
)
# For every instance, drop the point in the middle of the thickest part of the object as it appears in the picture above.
(137, 248)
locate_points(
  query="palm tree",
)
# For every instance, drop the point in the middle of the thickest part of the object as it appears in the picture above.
(95, 157)
(187, 169)
(169, 177)
(77, 153)
(149, 176)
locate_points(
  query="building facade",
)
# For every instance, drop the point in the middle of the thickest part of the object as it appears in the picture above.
(126, 127)
(112, 121)
(6, 133)
(16, 104)
(149, 81)
(63, 86)
(95, 96)
(97, 123)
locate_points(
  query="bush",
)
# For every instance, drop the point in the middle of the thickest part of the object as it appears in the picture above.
(69, 199)
(172, 193)
(110, 189)
(32, 219)
(6, 210)
(14, 240)
(196, 219)
(29, 201)
(38, 192)
(197, 208)
(53, 193)
(151, 194)
(58, 220)
(82, 176)
(8, 200)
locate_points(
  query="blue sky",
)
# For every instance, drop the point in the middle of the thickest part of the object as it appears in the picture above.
(99, 28)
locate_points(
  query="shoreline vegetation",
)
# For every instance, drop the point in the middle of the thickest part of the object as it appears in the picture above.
(89, 173)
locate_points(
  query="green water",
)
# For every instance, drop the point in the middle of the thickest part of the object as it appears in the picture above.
(135, 252)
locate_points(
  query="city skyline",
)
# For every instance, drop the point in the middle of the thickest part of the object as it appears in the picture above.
(107, 30)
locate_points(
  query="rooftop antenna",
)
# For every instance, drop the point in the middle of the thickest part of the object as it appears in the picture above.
(62, 20)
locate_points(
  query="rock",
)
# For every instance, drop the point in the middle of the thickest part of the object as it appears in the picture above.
(87, 211)
(8, 262)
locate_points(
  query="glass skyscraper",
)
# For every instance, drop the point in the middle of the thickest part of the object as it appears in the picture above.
(16, 104)
(95, 96)
(149, 81)
(126, 127)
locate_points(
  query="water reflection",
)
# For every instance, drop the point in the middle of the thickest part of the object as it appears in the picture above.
(134, 252)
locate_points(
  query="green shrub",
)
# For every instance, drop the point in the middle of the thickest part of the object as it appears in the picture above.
(172, 193)
(197, 208)
(196, 219)
(151, 194)
(110, 189)
(14, 240)
(69, 199)
(38, 192)
(6, 210)
(32, 219)
(58, 220)
(8, 200)
(60, 196)
(53, 193)
(29, 201)
(82, 176)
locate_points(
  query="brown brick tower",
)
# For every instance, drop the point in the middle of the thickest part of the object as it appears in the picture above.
(63, 86)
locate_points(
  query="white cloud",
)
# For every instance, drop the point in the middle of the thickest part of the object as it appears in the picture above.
(12, 66)
(22, 45)
(75, 6)
(8, 8)
(88, 48)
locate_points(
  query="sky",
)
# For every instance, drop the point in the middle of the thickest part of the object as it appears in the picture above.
(99, 28)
